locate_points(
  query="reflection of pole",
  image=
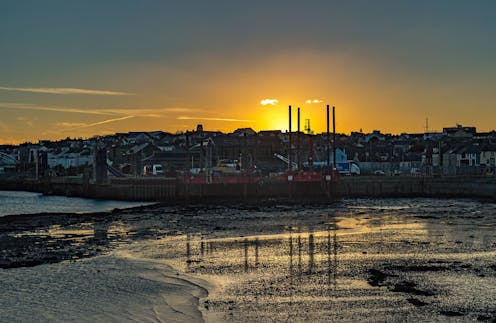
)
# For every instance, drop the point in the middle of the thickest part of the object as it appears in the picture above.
(291, 259)
(335, 256)
(311, 251)
(256, 252)
(299, 254)
(100, 233)
(290, 275)
(328, 257)
(246, 255)
(188, 251)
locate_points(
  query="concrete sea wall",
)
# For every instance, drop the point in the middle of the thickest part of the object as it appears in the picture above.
(171, 189)
(383, 186)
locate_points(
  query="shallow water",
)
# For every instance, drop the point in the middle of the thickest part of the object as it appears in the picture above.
(423, 260)
(355, 260)
(16, 202)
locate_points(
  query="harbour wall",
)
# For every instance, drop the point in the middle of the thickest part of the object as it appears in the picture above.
(411, 186)
(171, 189)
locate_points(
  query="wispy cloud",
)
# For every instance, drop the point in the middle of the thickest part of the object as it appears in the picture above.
(177, 109)
(3, 126)
(66, 124)
(27, 121)
(213, 119)
(313, 101)
(269, 101)
(28, 106)
(62, 90)
(142, 112)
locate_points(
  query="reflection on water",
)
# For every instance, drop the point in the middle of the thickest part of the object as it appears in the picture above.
(256, 252)
(299, 254)
(100, 233)
(291, 258)
(73, 241)
(366, 266)
(310, 248)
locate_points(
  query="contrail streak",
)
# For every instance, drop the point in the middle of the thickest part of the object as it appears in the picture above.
(62, 90)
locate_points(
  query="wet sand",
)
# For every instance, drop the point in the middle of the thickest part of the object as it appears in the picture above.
(100, 289)
(352, 260)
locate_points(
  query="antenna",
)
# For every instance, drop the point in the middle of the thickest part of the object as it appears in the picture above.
(426, 125)
(308, 130)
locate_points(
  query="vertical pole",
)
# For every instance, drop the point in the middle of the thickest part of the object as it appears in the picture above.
(334, 136)
(36, 155)
(245, 151)
(95, 159)
(201, 153)
(328, 146)
(298, 152)
(289, 148)
(187, 154)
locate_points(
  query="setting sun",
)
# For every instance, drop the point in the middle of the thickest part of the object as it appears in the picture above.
(277, 118)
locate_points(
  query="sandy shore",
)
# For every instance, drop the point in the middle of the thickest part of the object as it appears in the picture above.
(83, 267)
(100, 289)
(352, 260)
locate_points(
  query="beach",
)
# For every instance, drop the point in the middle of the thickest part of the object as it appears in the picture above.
(347, 260)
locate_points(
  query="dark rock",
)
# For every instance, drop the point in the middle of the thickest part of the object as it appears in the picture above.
(420, 268)
(416, 302)
(410, 288)
(452, 313)
(376, 277)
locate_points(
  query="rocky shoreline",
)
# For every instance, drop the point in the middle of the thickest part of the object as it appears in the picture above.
(33, 239)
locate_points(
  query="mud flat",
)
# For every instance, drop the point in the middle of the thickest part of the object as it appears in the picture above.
(352, 260)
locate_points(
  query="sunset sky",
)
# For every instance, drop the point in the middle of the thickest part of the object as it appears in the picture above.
(83, 68)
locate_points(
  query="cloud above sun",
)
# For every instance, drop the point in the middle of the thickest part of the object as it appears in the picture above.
(269, 101)
(313, 101)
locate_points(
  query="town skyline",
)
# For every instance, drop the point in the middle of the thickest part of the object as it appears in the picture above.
(256, 131)
(84, 69)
